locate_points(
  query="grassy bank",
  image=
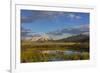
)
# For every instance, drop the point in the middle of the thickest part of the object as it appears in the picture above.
(32, 51)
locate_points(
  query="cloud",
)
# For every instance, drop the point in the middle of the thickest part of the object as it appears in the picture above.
(78, 17)
(55, 33)
(32, 16)
(74, 30)
(73, 16)
(26, 19)
(26, 32)
(38, 15)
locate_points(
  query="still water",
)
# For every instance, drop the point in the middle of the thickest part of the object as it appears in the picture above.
(59, 53)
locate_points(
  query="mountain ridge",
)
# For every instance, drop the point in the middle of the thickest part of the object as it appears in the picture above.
(76, 38)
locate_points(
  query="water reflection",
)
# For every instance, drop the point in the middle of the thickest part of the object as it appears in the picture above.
(67, 52)
(59, 55)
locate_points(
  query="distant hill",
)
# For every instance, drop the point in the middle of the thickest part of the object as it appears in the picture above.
(76, 38)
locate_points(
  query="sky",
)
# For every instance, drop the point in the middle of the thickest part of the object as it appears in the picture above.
(53, 23)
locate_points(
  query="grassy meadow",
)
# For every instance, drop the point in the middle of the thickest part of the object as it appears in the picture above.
(53, 51)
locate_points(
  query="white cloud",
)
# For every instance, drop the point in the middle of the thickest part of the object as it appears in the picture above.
(78, 17)
(74, 16)
(71, 15)
(73, 30)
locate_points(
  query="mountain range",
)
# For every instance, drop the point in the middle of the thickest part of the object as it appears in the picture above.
(76, 38)
(84, 37)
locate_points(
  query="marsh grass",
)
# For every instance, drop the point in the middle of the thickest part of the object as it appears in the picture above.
(33, 51)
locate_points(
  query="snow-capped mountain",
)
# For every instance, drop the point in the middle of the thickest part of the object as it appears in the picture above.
(43, 37)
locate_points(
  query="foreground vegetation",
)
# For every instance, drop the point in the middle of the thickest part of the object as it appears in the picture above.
(34, 51)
